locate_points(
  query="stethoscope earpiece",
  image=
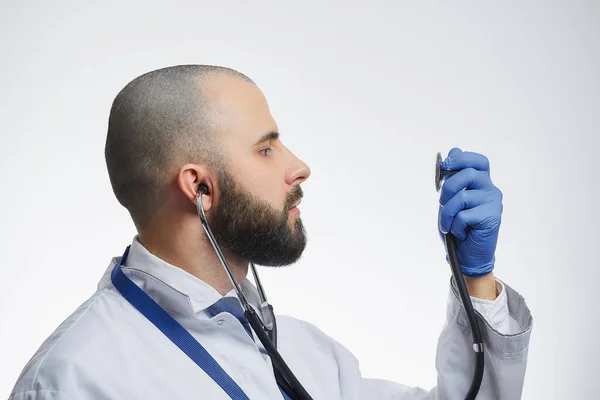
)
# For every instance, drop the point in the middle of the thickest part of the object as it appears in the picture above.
(202, 188)
(265, 329)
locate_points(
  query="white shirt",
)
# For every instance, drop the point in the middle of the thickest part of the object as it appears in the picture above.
(107, 350)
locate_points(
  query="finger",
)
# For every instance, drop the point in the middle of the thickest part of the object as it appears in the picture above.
(441, 234)
(467, 178)
(463, 200)
(454, 152)
(464, 220)
(465, 159)
(482, 217)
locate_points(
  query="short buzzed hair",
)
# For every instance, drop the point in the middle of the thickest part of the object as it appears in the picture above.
(158, 121)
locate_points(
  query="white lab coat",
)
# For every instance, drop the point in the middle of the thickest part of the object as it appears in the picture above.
(107, 350)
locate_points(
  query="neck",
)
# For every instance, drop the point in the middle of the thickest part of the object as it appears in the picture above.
(187, 246)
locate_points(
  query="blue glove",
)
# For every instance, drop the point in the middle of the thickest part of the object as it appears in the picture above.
(472, 215)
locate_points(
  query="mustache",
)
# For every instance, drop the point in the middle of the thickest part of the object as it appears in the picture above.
(294, 195)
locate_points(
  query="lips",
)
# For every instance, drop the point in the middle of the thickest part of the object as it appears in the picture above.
(296, 204)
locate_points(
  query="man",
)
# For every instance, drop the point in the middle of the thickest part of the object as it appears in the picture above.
(170, 132)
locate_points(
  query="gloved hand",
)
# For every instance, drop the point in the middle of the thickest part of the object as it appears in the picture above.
(472, 215)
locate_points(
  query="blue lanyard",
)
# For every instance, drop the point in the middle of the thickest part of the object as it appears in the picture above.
(174, 331)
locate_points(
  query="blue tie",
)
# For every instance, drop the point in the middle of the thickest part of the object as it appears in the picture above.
(232, 306)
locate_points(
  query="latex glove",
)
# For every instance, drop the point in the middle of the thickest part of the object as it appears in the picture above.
(472, 215)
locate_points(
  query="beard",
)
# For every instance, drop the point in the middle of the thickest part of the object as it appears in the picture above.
(250, 228)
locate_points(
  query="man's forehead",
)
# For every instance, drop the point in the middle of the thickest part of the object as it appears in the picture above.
(238, 107)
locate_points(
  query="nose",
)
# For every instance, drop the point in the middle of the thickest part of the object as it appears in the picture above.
(298, 171)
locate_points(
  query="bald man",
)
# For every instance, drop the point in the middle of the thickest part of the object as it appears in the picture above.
(195, 133)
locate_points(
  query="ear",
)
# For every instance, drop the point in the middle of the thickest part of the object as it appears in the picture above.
(189, 179)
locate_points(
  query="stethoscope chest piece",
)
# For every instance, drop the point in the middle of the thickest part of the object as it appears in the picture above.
(438, 172)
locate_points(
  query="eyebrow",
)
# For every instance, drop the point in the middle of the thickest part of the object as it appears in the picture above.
(267, 136)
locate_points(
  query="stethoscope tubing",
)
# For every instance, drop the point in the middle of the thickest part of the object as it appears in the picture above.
(463, 293)
(470, 312)
(267, 333)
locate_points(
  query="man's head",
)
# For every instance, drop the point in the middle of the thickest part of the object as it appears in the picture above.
(174, 128)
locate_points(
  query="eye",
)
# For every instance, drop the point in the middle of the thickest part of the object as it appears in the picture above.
(265, 150)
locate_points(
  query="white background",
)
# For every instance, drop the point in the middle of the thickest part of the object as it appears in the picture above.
(366, 94)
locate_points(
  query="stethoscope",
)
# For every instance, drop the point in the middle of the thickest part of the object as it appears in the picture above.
(265, 329)
(462, 291)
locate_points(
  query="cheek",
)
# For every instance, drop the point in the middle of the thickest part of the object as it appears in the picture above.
(261, 182)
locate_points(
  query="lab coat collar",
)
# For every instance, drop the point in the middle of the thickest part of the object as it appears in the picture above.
(176, 290)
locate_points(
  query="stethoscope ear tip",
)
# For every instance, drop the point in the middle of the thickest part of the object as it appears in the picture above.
(202, 189)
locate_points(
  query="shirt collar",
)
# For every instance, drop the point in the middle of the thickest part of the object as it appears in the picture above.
(173, 288)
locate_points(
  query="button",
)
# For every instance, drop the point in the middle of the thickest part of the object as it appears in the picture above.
(220, 322)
